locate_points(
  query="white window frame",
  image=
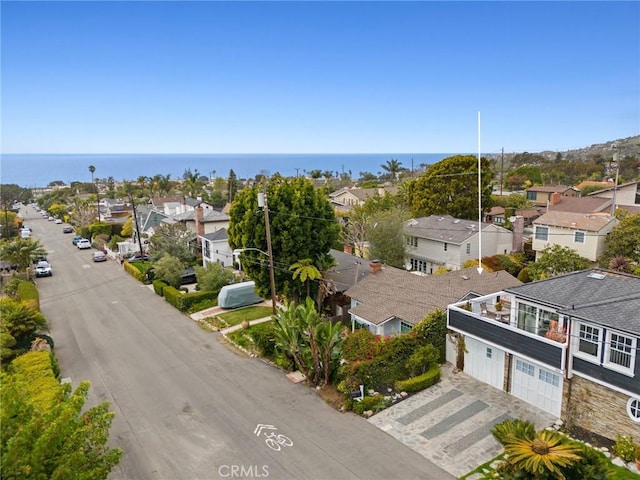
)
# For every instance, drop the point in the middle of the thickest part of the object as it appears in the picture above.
(632, 353)
(633, 409)
(538, 233)
(583, 237)
(587, 356)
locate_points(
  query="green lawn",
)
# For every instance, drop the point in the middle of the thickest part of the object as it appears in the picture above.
(238, 316)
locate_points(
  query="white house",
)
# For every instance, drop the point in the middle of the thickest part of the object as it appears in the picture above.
(215, 248)
(445, 241)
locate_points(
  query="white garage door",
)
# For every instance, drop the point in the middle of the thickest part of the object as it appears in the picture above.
(537, 386)
(484, 362)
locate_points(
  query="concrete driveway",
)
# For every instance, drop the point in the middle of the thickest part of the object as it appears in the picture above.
(450, 423)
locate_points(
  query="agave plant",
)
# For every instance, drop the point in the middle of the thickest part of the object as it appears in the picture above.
(546, 453)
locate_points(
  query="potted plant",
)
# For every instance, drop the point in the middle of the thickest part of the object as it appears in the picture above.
(498, 305)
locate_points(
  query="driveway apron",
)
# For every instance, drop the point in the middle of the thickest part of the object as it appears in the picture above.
(450, 423)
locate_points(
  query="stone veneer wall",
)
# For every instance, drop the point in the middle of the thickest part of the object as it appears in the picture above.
(596, 408)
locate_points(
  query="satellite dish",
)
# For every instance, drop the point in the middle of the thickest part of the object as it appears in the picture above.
(407, 265)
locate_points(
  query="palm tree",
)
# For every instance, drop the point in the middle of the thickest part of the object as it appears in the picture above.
(392, 167)
(329, 337)
(543, 454)
(21, 252)
(92, 169)
(306, 271)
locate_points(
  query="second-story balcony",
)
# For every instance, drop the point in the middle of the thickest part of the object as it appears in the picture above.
(517, 326)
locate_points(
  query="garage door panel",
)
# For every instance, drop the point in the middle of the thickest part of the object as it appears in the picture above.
(484, 362)
(537, 385)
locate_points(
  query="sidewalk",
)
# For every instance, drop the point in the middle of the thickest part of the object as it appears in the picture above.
(213, 311)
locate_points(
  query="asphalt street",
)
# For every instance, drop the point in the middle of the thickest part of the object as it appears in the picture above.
(189, 407)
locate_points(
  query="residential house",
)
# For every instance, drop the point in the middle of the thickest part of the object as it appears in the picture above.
(496, 216)
(346, 198)
(445, 241)
(203, 219)
(567, 344)
(585, 234)
(540, 196)
(347, 271)
(528, 215)
(390, 300)
(215, 248)
(625, 196)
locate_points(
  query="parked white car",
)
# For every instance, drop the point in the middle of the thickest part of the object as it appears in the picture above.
(43, 269)
(83, 244)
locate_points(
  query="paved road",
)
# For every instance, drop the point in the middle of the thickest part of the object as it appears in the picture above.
(187, 405)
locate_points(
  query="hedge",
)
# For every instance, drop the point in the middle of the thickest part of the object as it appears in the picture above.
(184, 301)
(134, 272)
(28, 293)
(34, 371)
(415, 384)
(158, 287)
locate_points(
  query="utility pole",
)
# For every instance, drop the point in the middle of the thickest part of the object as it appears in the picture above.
(615, 185)
(501, 170)
(135, 220)
(262, 202)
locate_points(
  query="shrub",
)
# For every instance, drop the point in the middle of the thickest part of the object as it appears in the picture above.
(158, 287)
(375, 403)
(624, 448)
(420, 360)
(184, 301)
(133, 270)
(415, 384)
(517, 428)
(263, 337)
(34, 369)
(11, 288)
(359, 345)
(203, 305)
(433, 329)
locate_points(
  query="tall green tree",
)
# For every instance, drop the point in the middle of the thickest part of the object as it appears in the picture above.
(624, 241)
(213, 277)
(303, 225)
(556, 260)
(172, 239)
(385, 237)
(450, 187)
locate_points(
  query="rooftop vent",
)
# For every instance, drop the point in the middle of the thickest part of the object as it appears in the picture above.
(464, 277)
(597, 276)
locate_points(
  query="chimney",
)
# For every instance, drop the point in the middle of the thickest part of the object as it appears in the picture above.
(375, 266)
(347, 248)
(198, 214)
(555, 198)
(518, 230)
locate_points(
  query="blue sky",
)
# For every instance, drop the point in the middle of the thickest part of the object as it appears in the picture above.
(317, 77)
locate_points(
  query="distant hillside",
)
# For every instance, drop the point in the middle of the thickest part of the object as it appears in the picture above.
(627, 147)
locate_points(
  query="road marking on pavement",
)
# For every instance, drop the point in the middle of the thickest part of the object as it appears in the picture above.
(274, 441)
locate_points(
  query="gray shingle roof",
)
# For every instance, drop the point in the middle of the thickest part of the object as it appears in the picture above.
(444, 228)
(348, 271)
(599, 296)
(393, 292)
(217, 235)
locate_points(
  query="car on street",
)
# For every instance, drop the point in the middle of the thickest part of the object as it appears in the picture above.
(58, 221)
(83, 244)
(76, 239)
(51, 219)
(67, 229)
(99, 256)
(43, 269)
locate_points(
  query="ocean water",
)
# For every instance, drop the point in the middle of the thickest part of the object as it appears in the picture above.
(38, 170)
